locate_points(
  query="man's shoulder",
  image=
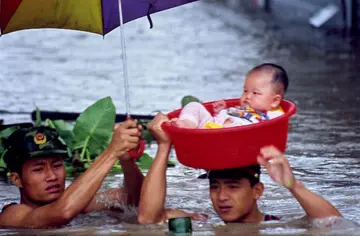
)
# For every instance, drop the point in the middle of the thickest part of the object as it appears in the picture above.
(13, 211)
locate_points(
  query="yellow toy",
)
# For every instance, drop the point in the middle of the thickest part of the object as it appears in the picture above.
(212, 125)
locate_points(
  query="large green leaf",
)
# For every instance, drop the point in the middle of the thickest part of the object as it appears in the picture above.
(145, 161)
(4, 134)
(7, 132)
(68, 137)
(65, 130)
(2, 163)
(94, 127)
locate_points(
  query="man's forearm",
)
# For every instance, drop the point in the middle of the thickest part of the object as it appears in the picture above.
(80, 193)
(314, 205)
(151, 207)
(133, 179)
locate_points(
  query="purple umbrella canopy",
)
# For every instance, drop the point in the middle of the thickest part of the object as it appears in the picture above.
(97, 16)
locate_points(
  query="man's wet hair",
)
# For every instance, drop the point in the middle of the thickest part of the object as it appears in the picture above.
(251, 173)
(279, 76)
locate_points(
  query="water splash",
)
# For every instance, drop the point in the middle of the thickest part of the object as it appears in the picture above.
(115, 199)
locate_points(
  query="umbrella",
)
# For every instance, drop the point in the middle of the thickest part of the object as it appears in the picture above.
(96, 16)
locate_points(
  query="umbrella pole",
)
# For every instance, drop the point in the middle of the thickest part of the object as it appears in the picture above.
(124, 60)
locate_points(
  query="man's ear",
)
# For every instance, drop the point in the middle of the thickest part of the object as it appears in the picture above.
(258, 190)
(276, 101)
(15, 178)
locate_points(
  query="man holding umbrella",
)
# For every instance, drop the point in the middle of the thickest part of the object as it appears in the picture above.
(35, 159)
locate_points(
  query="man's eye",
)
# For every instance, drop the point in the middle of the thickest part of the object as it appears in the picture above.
(56, 165)
(213, 186)
(232, 186)
(37, 169)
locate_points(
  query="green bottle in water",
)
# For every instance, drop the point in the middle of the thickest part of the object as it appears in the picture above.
(180, 226)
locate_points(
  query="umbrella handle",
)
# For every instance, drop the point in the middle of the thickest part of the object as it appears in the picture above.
(137, 153)
(139, 150)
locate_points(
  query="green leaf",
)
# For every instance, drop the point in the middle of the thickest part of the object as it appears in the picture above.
(64, 129)
(2, 163)
(49, 123)
(61, 125)
(187, 99)
(94, 127)
(38, 117)
(78, 145)
(117, 169)
(171, 164)
(67, 136)
(145, 161)
(147, 136)
(3, 172)
(7, 132)
(4, 134)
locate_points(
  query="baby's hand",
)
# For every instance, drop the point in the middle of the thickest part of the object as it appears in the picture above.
(218, 106)
(229, 122)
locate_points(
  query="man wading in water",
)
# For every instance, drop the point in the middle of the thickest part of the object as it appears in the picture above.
(35, 159)
(234, 193)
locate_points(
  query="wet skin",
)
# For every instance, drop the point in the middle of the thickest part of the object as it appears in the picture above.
(42, 180)
(234, 199)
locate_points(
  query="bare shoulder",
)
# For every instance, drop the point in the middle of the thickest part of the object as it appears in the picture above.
(13, 214)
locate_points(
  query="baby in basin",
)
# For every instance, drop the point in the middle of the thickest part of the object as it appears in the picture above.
(264, 89)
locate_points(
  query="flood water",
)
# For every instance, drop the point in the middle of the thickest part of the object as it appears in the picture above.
(203, 49)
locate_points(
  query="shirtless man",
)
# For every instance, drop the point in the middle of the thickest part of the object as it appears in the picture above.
(35, 159)
(234, 193)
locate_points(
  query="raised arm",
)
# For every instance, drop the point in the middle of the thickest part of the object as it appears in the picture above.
(133, 179)
(153, 192)
(151, 207)
(126, 195)
(280, 171)
(80, 193)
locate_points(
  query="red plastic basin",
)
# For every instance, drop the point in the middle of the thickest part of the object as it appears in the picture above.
(239, 146)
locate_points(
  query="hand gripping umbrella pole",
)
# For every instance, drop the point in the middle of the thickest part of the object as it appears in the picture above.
(134, 153)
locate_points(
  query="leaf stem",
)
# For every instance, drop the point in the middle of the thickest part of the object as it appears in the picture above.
(84, 148)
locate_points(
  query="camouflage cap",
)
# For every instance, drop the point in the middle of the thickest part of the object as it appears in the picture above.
(27, 143)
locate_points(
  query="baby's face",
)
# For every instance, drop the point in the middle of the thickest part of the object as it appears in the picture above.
(259, 92)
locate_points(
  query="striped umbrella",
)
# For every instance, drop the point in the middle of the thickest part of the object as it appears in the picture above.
(96, 16)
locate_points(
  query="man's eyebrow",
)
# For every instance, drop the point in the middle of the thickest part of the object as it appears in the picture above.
(213, 181)
(232, 181)
(39, 163)
(56, 160)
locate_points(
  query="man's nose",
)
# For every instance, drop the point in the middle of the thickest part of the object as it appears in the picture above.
(222, 194)
(50, 174)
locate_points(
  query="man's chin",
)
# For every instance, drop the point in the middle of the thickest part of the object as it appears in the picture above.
(228, 217)
(49, 198)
